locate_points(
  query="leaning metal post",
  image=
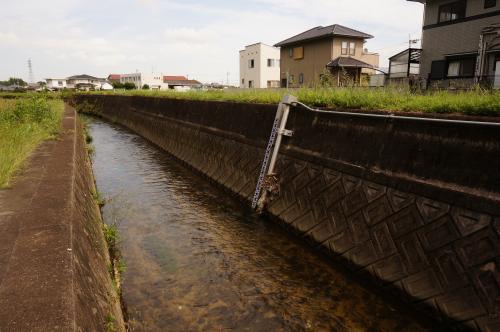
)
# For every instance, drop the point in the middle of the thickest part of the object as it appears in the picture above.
(267, 169)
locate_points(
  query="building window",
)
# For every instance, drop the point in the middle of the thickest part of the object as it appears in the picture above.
(251, 63)
(345, 47)
(452, 11)
(461, 67)
(352, 48)
(250, 84)
(271, 62)
(291, 79)
(290, 52)
(490, 3)
(298, 53)
(243, 81)
(301, 78)
(438, 70)
(348, 48)
(60, 83)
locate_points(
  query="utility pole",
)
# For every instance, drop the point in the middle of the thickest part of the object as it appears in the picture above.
(227, 78)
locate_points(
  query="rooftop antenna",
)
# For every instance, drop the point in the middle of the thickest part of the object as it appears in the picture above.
(31, 77)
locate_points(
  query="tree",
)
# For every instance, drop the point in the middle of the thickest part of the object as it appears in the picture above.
(14, 81)
(129, 86)
(117, 85)
(145, 87)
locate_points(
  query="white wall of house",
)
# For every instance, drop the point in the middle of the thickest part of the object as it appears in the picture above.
(260, 66)
(56, 83)
(153, 80)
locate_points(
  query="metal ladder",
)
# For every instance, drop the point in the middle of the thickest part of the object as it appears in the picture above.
(277, 132)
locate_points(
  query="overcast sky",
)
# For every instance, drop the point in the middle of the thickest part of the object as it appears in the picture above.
(179, 37)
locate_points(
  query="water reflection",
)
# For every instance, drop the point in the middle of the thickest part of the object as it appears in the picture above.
(198, 260)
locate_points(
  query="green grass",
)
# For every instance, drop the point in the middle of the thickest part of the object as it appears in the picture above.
(98, 197)
(24, 123)
(471, 102)
(112, 238)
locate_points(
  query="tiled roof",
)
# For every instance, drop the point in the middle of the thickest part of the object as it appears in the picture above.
(184, 82)
(114, 76)
(348, 62)
(323, 32)
(174, 78)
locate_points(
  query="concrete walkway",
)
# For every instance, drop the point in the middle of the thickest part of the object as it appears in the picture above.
(40, 285)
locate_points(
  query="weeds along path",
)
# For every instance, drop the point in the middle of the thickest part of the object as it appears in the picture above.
(24, 123)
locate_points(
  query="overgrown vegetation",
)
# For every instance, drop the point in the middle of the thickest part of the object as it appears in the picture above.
(98, 197)
(110, 323)
(472, 102)
(24, 123)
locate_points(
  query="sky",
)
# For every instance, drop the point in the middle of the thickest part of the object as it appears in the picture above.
(197, 38)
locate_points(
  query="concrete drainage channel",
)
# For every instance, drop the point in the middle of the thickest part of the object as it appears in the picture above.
(410, 204)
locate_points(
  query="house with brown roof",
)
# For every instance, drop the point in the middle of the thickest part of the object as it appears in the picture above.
(460, 43)
(114, 78)
(181, 83)
(334, 49)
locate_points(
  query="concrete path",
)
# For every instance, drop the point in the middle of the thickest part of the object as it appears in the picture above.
(40, 262)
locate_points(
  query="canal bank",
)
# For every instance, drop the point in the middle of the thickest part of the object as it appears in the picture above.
(198, 259)
(413, 207)
(53, 256)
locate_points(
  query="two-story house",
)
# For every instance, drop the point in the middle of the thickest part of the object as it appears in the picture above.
(260, 66)
(336, 49)
(461, 42)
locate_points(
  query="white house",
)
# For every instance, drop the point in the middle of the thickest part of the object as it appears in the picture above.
(260, 66)
(56, 83)
(153, 80)
(78, 82)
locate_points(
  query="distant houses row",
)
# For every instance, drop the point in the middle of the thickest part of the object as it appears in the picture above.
(135, 80)
(460, 47)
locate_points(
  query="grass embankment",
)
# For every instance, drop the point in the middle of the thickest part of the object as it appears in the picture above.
(24, 123)
(472, 102)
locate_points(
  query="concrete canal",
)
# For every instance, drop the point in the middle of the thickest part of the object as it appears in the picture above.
(197, 259)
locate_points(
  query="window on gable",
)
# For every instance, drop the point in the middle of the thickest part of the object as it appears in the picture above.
(490, 3)
(452, 11)
(298, 53)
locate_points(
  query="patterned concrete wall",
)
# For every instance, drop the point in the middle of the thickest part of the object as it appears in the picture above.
(413, 205)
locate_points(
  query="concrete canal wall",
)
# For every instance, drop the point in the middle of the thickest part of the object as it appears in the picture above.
(413, 205)
(53, 256)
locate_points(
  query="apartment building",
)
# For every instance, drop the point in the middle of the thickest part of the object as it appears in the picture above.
(153, 80)
(336, 49)
(461, 43)
(260, 66)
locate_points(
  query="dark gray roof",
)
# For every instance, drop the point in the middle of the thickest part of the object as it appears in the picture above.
(83, 77)
(348, 62)
(324, 32)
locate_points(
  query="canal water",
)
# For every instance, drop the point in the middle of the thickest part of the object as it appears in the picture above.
(199, 260)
